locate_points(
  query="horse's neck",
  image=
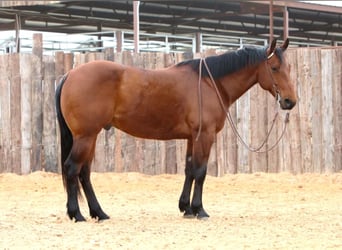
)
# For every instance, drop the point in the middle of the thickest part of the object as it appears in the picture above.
(236, 84)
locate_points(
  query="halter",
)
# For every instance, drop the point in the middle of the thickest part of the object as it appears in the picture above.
(274, 82)
(229, 116)
(270, 55)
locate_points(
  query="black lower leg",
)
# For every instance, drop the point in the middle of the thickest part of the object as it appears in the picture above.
(95, 209)
(197, 204)
(184, 200)
(72, 187)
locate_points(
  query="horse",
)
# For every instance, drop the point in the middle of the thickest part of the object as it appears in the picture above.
(160, 104)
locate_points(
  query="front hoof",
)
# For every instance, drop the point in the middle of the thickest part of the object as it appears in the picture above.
(202, 215)
(188, 214)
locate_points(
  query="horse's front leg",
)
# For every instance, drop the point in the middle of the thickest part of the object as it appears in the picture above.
(201, 151)
(184, 200)
(200, 172)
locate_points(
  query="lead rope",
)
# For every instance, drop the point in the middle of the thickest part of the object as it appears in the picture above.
(230, 119)
(199, 99)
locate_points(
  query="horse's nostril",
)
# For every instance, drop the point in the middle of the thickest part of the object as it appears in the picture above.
(288, 103)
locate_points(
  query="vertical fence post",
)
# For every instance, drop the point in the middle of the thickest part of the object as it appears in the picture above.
(59, 72)
(26, 112)
(37, 108)
(50, 142)
(136, 25)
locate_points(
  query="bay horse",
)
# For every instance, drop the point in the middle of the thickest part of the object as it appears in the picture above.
(159, 104)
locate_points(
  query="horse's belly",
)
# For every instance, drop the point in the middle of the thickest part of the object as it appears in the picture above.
(149, 127)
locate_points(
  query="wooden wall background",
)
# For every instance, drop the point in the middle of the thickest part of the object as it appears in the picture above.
(29, 139)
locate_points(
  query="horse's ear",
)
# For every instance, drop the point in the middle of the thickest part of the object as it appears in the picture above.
(271, 49)
(285, 44)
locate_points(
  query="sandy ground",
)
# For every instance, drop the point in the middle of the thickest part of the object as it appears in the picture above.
(258, 211)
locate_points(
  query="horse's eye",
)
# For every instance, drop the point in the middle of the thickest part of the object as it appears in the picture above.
(274, 69)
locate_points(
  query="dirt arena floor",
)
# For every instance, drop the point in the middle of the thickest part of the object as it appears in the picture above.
(257, 211)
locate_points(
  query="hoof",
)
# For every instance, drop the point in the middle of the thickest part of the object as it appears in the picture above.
(189, 216)
(188, 213)
(78, 217)
(75, 213)
(203, 218)
(100, 215)
(202, 215)
(104, 217)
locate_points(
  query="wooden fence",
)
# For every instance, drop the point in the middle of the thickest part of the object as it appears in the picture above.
(29, 139)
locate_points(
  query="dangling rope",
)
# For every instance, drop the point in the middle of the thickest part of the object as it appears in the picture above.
(199, 99)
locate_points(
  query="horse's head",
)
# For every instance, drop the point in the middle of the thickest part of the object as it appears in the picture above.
(274, 75)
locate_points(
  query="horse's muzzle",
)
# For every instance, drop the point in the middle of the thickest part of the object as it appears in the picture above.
(287, 103)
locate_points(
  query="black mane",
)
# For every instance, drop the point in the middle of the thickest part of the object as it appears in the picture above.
(231, 62)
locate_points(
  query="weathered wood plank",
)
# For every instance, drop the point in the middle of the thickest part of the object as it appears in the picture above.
(293, 133)
(37, 46)
(5, 120)
(59, 66)
(316, 109)
(26, 61)
(15, 103)
(243, 116)
(327, 110)
(68, 61)
(337, 108)
(305, 96)
(258, 128)
(37, 109)
(59, 72)
(50, 159)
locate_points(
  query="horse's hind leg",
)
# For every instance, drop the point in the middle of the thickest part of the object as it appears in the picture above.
(94, 206)
(79, 156)
(72, 170)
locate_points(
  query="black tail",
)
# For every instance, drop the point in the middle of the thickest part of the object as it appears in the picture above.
(66, 136)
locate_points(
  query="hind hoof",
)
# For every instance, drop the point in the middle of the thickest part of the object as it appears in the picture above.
(100, 215)
(77, 216)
